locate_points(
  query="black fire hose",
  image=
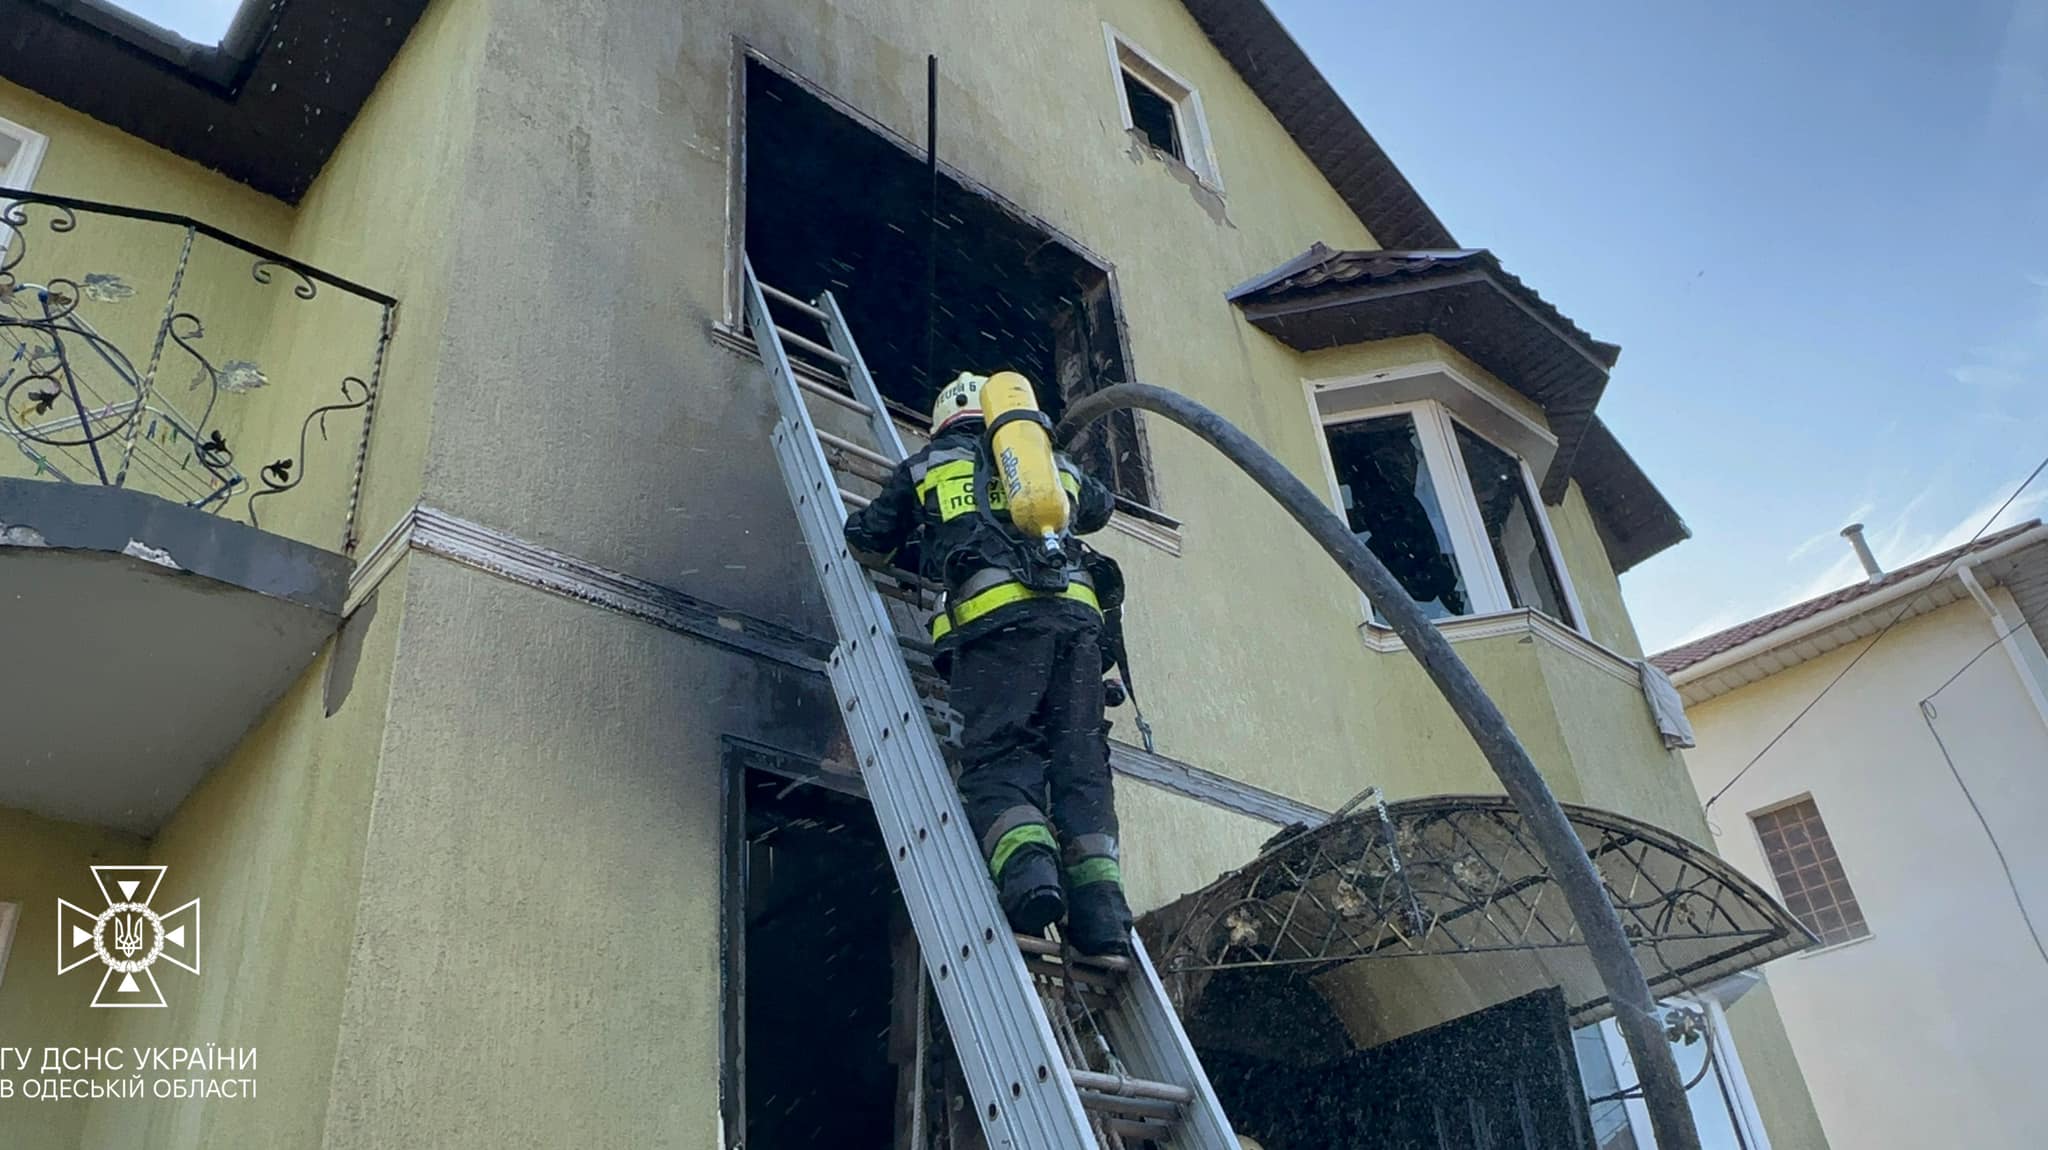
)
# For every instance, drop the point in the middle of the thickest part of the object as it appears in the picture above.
(1570, 865)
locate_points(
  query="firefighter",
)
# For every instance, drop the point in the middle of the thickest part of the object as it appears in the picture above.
(1025, 669)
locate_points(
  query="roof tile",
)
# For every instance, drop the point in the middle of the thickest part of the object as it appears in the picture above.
(1700, 650)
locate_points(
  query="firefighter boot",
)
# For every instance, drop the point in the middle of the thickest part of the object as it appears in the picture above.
(1098, 919)
(1030, 889)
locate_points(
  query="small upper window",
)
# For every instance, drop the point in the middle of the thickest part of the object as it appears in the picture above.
(21, 153)
(1453, 516)
(1162, 109)
(1153, 117)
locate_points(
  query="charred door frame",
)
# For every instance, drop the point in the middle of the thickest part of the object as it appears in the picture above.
(737, 756)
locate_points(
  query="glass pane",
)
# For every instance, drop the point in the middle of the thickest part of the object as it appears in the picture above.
(1512, 527)
(1596, 1072)
(1712, 1114)
(1391, 503)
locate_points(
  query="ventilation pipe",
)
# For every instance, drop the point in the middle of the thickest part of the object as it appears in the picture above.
(1854, 534)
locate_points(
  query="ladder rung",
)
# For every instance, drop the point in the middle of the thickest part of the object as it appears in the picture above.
(856, 450)
(783, 297)
(811, 345)
(1138, 1131)
(905, 595)
(1142, 1107)
(1056, 972)
(900, 574)
(1050, 949)
(1130, 1087)
(834, 395)
(854, 498)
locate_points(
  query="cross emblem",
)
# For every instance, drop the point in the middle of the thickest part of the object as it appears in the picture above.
(128, 937)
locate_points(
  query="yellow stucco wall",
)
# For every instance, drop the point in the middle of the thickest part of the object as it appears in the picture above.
(271, 842)
(42, 861)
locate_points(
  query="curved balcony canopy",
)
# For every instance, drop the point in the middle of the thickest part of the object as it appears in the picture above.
(1456, 876)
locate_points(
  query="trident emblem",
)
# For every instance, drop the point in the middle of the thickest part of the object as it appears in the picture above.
(127, 937)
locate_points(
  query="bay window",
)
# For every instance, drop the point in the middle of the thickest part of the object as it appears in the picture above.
(1453, 514)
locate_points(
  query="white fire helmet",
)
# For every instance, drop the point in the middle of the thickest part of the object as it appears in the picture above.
(961, 399)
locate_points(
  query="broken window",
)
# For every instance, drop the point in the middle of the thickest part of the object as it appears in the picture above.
(832, 204)
(1162, 109)
(1391, 501)
(1508, 509)
(1153, 116)
(1453, 516)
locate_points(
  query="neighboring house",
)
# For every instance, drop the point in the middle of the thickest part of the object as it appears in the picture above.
(1898, 818)
(421, 594)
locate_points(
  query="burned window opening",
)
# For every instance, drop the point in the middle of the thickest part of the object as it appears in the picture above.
(1507, 508)
(832, 205)
(1391, 501)
(1153, 116)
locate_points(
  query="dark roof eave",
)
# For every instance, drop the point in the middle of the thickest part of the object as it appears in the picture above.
(265, 108)
(1323, 126)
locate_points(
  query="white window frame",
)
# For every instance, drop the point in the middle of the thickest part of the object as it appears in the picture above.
(1435, 422)
(20, 171)
(1726, 1067)
(10, 912)
(1197, 148)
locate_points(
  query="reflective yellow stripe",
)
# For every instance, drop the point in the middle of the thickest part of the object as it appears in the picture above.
(1071, 484)
(1030, 834)
(975, 607)
(953, 469)
(953, 483)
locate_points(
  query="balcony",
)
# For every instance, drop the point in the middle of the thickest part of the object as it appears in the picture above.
(184, 421)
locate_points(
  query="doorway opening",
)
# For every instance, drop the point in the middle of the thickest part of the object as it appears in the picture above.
(833, 204)
(814, 962)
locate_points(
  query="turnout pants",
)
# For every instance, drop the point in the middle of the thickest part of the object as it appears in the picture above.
(1034, 743)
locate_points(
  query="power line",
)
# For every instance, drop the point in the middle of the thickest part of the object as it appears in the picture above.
(1927, 714)
(1872, 645)
(2002, 637)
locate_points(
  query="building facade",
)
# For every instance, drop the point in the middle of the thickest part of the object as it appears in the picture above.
(1895, 819)
(428, 607)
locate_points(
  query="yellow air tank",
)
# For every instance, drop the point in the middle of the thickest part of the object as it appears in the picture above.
(1020, 441)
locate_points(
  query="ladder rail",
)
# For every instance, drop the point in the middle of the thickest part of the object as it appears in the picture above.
(1028, 1090)
(1014, 1071)
(864, 388)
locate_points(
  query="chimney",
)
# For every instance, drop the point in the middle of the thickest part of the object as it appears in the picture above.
(1854, 534)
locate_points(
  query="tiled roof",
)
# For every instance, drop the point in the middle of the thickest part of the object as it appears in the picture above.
(1699, 650)
(1322, 267)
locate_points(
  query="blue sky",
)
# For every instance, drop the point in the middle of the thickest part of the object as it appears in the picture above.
(1819, 232)
(200, 21)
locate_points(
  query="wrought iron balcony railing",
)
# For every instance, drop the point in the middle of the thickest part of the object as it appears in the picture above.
(148, 350)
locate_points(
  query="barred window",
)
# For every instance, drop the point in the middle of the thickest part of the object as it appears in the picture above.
(1809, 873)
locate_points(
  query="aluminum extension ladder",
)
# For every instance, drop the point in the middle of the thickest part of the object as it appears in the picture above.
(1058, 1052)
